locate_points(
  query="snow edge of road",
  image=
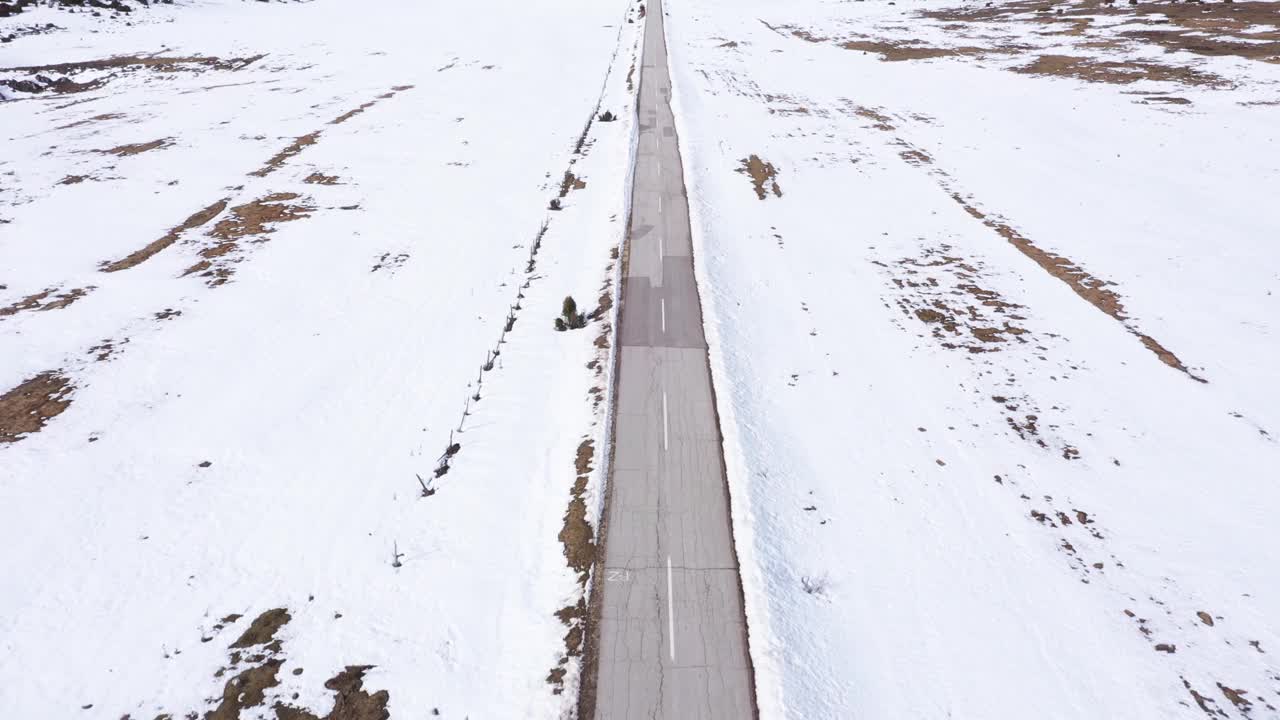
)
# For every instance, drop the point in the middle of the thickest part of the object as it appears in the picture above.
(760, 640)
(583, 703)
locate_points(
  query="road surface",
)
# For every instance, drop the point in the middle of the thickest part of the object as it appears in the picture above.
(672, 635)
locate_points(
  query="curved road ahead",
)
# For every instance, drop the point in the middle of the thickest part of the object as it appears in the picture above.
(672, 639)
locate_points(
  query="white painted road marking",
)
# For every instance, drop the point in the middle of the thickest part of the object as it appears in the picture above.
(671, 614)
(617, 575)
(664, 314)
(664, 419)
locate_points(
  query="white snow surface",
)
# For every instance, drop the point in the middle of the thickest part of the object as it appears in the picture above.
(313, 385)
(1022, 526)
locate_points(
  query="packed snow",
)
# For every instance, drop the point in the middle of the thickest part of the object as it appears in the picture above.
(283, 416)
(991, 304)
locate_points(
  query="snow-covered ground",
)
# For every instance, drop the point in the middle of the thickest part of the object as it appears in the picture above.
(992, 299)
(254, 258)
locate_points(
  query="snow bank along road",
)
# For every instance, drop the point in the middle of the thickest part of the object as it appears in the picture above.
(991, 294)
(672, 636)
(261, 264)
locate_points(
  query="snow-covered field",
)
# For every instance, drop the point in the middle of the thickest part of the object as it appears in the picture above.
(992, 299)
(254, 261)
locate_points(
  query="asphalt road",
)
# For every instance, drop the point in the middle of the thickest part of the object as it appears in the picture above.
(672, 635)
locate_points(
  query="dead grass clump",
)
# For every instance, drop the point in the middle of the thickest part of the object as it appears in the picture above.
(138, 148)
(1115, 72)
(571, 182)
(26, 408)
(576, 535)
(139, 256)
(578, 541)
(762, 174)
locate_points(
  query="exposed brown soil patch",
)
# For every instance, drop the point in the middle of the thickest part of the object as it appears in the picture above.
(1095, 291)
(46, 300)
(67, 298)
(152, 62)
(1092, 289)
(763, 174)
(319, 178)
(1206, 704)
(88, 121)
(26, 408)
(879, 120)
(298, 145)
(1190, 40)
(254, 219)
(106, 349)
(247, 689)
(1116, 72)
(941, 290)
(916, 157)
(894, 51)
(42, 83)
(138, 148)
(57, 78)
(888, 50)
(73, 179)
(137, 257)
(356, 111)
(263, 629)
(257, 218)
(351, 701)
(301, 143)
(1240, 29)
(255, 662)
